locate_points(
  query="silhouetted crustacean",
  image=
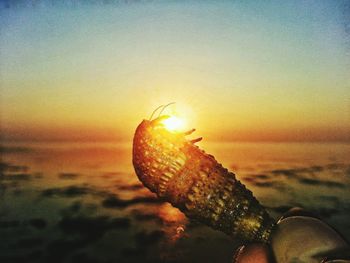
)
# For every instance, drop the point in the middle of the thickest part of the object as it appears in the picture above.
(179, 172)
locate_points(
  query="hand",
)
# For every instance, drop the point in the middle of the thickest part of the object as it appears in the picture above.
(298, 237)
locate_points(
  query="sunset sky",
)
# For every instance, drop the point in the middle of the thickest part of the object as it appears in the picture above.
(237, 70)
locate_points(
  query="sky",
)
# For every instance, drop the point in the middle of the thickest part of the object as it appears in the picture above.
(237, 70)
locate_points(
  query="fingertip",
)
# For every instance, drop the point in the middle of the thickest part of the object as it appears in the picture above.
(253, 253)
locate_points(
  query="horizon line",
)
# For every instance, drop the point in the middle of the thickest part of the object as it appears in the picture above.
(125, 140)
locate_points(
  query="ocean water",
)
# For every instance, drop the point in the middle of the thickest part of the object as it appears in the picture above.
(82, 202)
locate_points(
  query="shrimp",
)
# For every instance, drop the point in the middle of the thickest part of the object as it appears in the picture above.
(179, 172)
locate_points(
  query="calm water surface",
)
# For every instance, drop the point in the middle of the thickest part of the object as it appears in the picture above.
(82, 202)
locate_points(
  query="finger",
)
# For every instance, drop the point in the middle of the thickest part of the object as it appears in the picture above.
(253, 253)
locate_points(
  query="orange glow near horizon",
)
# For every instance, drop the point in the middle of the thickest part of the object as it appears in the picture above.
(65, 79)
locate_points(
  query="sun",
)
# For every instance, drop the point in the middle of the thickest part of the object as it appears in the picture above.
(174, 123)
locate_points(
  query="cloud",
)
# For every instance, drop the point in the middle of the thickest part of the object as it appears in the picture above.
(9, 224)
(147, 239)
(281, 209)
(72, 209)
(309, 181)
(265, 184)
(115, 202)
(141, 216)
(71, 191)
(38, 223)
(68, 176)
(17, 177)
(29, 243)
(295, 172)
(93, 227)
(286, 172)
(86, 258)
(132, 187)
(7, 167)
(6, 149)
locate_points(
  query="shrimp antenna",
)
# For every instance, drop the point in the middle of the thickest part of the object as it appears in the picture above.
(164, 107)
(155, 111)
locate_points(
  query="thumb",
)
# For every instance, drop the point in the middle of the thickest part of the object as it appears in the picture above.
(253, 253)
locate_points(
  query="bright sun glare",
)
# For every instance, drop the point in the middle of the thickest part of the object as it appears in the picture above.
(174, 123)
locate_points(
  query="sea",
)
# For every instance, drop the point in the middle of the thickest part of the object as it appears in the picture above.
(82, 202)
